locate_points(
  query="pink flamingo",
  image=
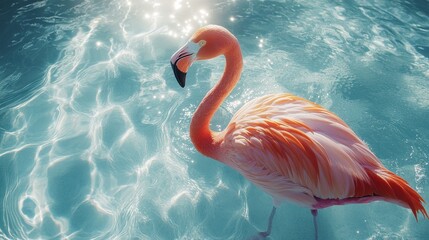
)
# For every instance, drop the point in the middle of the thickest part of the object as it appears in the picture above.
(291, 148)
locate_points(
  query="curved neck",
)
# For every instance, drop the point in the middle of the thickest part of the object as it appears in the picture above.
(205, 140)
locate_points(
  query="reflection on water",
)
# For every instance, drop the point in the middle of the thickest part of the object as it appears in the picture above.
(94, 140)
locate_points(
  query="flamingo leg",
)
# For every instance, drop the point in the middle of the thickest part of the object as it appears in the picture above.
(270, 223)
(314, 213)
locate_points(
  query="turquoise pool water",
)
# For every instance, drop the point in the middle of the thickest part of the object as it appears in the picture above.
(94, 128)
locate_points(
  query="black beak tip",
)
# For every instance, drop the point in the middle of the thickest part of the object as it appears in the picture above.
(179, 75)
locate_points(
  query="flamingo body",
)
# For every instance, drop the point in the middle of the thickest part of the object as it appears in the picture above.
(290, 147)
(294, 149)
(297, 150)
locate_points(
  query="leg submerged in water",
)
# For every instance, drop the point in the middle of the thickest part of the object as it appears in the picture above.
(314, 213)
(270, 223)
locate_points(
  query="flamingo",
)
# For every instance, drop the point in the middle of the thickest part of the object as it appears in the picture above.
(291, 148)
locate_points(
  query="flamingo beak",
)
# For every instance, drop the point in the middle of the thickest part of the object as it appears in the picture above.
(178, 74)
(182, 60)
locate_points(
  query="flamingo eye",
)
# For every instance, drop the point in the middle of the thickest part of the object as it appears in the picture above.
(202, 43)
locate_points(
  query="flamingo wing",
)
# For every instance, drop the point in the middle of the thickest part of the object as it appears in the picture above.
(297, 150)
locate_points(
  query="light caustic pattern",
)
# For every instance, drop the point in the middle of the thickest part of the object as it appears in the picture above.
(90, 152)
(102, 149)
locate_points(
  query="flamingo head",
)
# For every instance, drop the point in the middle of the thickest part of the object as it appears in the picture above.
(206, 43)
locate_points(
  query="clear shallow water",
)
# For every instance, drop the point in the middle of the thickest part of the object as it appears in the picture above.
(94, 128)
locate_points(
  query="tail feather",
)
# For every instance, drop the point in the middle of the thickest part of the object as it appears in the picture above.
(394, 188)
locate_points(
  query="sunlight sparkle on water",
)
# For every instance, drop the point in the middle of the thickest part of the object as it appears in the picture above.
(181, 17)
